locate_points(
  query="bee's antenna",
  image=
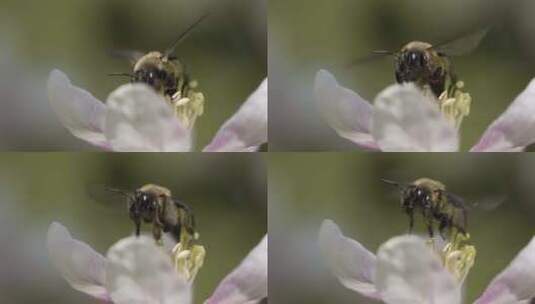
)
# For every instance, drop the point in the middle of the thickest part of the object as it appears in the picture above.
(121, 74)
(383, 52)
(118, 191)
(393, 183)
(369, 58)
(184, 35)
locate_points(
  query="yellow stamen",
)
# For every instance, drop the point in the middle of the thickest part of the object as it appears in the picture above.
(455, 104)
(187, 256)
(187, 108)
(457, 256)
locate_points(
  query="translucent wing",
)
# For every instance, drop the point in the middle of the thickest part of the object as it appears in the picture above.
(108, 195)
(461, 46)
(189, 212)
(456, 200)
(459, 213)
(130, 55)
(375, 55)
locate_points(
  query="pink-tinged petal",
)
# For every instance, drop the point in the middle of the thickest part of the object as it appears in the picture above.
(348, 260)
(516, 282)
(247, 128)
(82, 267)
(404, 120)
(81, 113)
(344, 110)
(409, 272)
(138, 271)
(247, 283)
(140, 120)
(514, 130)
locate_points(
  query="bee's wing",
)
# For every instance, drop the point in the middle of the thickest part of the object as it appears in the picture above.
(461, 208)
(108, 195)
(461, 46)
(188, 211)
(131, 55)
(375, 55)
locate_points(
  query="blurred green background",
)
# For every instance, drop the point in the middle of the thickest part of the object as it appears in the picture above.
(226, 54)
(305, 36)
(304, 189)
(227, 193)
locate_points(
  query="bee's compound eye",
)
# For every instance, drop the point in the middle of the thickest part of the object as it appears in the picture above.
(151, 77)
(416, 58)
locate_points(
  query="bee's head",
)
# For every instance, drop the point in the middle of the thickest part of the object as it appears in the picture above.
(412, 63)
(158, 72)
(143, 205)
(414, 195)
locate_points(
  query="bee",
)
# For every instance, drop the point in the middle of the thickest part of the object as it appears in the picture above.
(436, 205)
(429, 65)
(162, 71)
(154, 204)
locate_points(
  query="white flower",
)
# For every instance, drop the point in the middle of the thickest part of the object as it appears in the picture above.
(403, 119)
(135, 118)
(136, 270)
(406, 270)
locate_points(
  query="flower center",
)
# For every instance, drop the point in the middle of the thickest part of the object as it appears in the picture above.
(455, 104)
(457, 256)
(188, 107)
(187, 256)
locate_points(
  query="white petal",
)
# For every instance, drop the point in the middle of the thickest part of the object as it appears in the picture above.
(138, 119)
(247, 128)
(514, 130)
(138, 271)
(78, 263)
(344, 110)
(404, 120)
(516, 282)
(349, 261)
(77, 109)
(247, 283)
(409, 272)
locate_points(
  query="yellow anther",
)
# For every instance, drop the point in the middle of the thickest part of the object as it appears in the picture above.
(187, 108)
(187, 256)
(455, 104)
(457, 256)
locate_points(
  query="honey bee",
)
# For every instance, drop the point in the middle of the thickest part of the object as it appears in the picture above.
(436, 205)
(429, 65)
(154, 204)
(164, 73)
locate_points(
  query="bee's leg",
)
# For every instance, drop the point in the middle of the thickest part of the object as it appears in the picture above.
(442, 228)
(430, 229)
(410, 212)
(157, 226)
(156, 232)
(426, 213)
(137, 223)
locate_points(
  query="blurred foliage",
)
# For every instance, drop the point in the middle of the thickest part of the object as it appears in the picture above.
(305, 189)
(305, 36)
(226, 191)
(226, 54)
